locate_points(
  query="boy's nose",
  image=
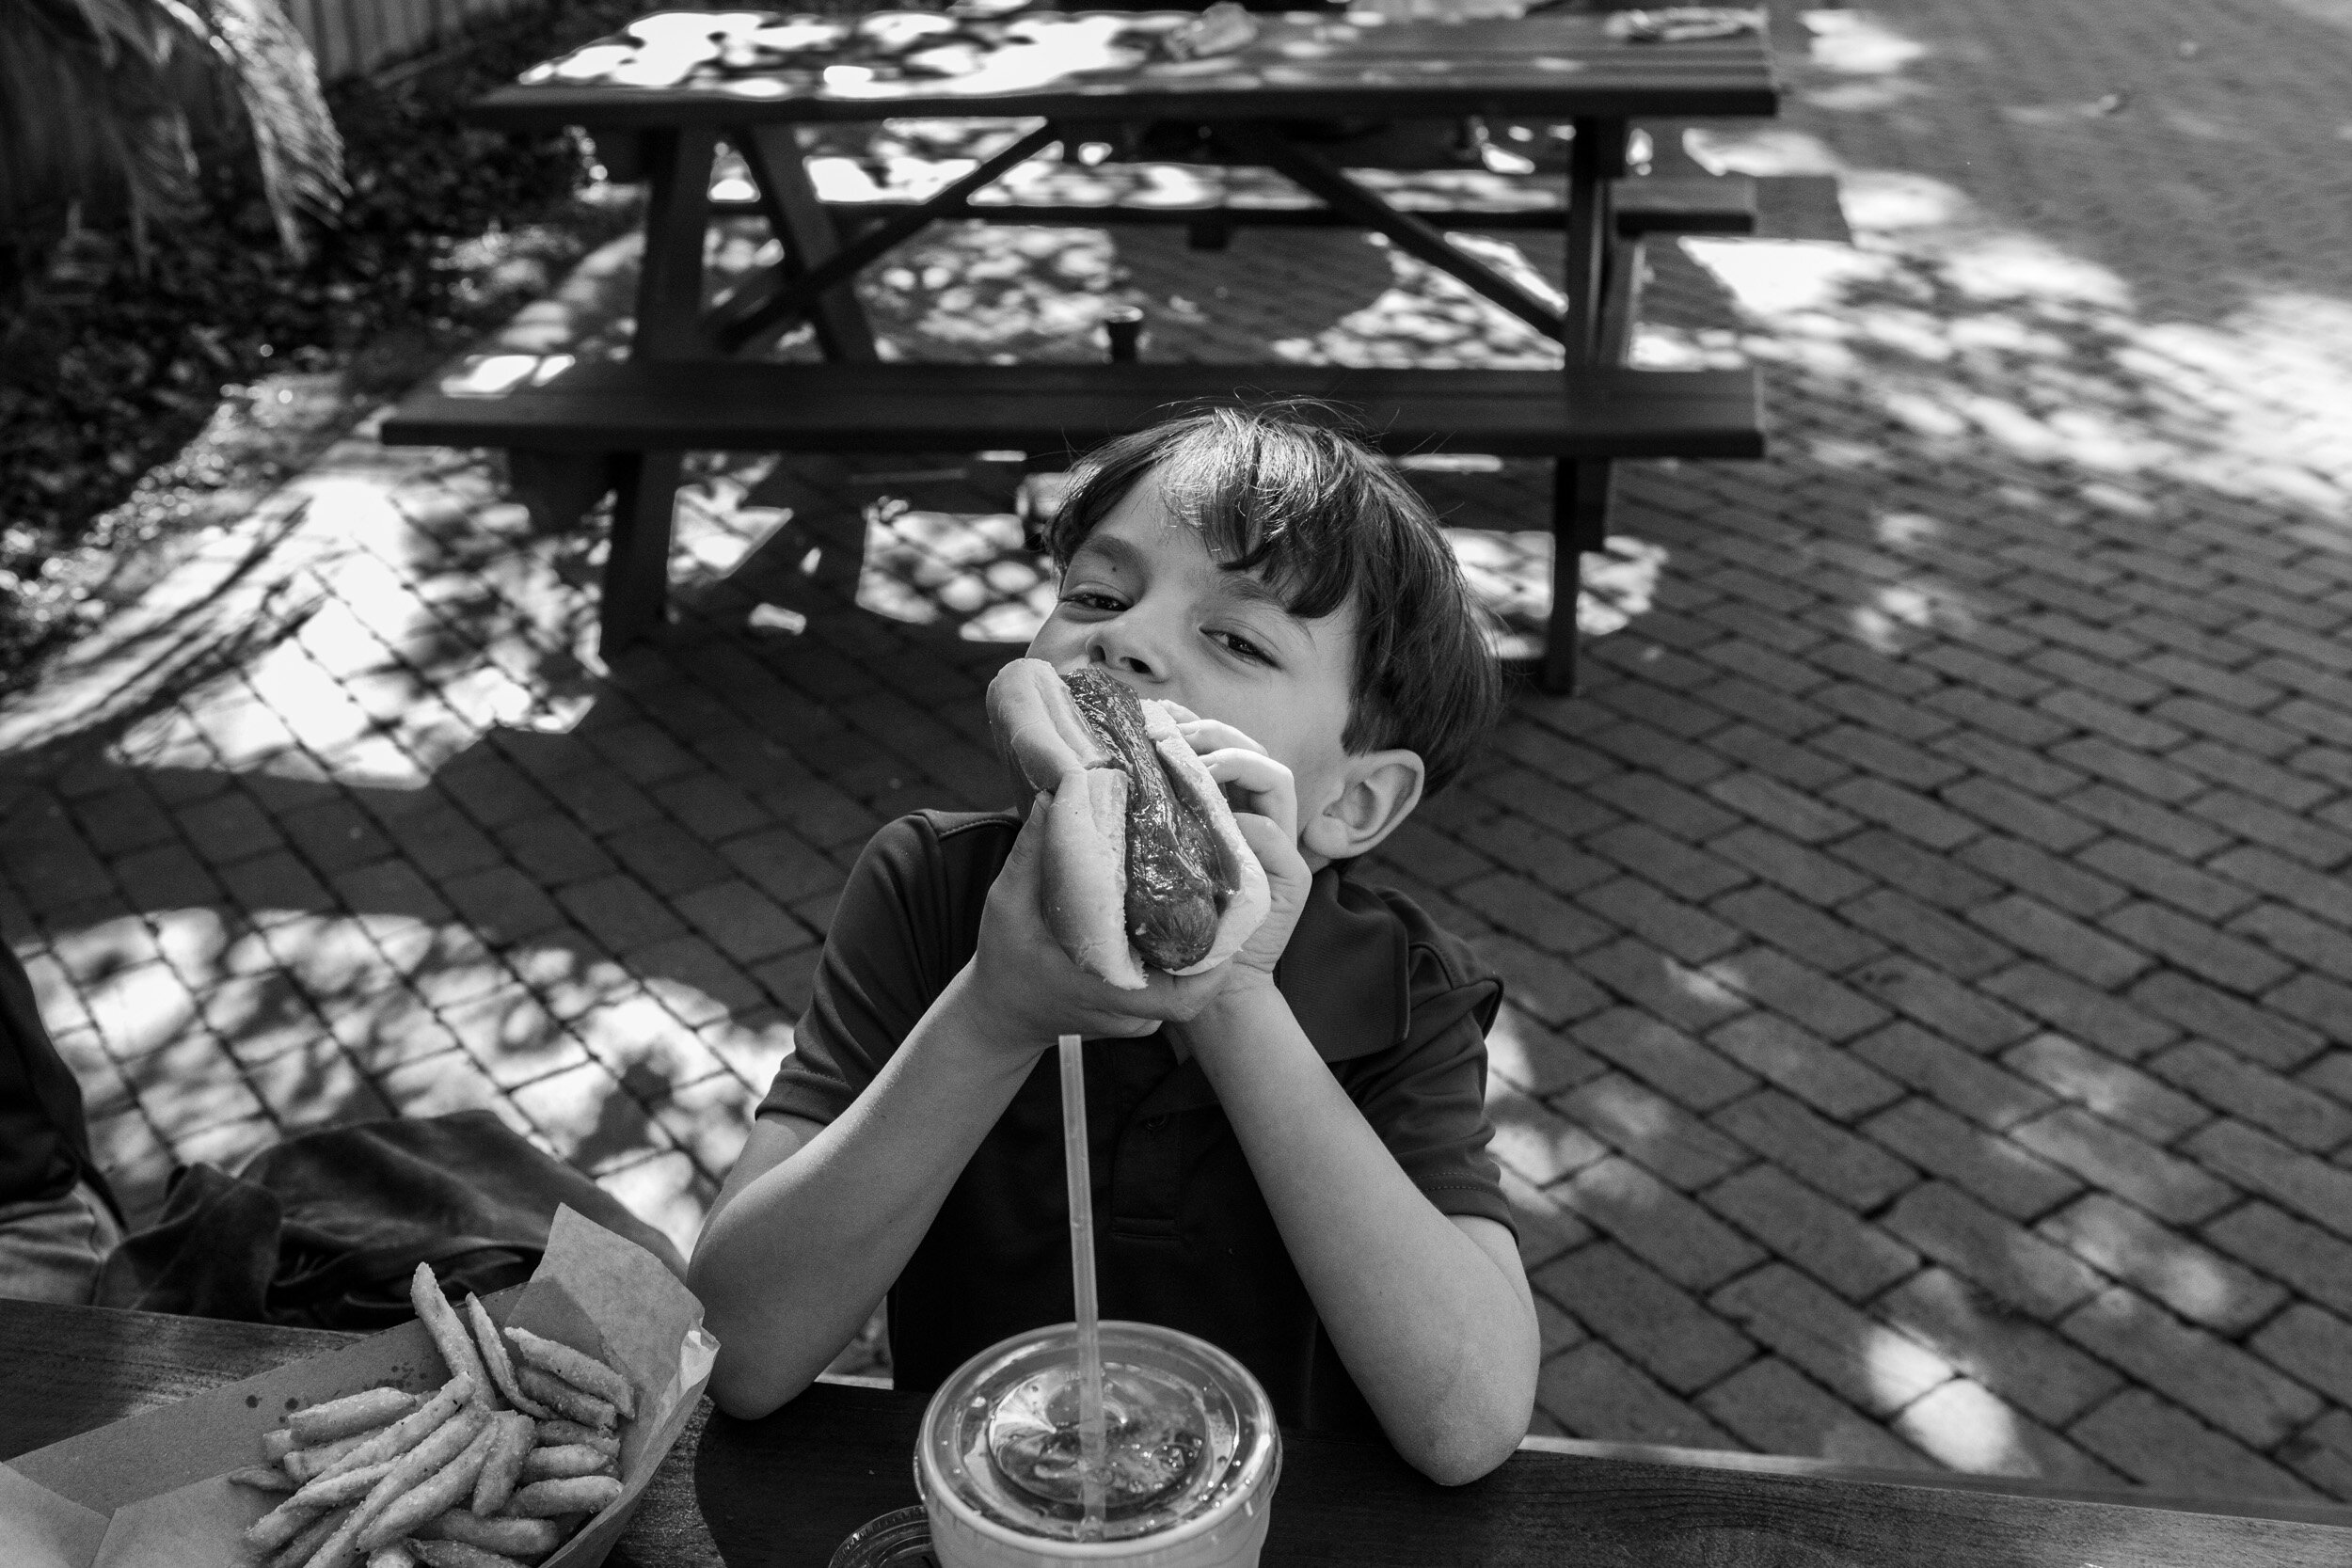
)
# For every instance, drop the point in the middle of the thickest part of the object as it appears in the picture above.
(1126, 652)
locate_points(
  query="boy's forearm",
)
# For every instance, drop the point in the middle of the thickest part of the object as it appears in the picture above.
(792, 1264)
(1440, 1338)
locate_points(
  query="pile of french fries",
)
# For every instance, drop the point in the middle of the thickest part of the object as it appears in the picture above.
(498, 1468)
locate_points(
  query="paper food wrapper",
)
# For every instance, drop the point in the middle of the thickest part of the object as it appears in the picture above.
(149, 1491)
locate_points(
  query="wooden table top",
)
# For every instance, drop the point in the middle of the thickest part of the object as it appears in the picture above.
(1300, 65)
(784, 1490)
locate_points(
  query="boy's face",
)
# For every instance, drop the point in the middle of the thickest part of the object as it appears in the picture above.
(1142, 599)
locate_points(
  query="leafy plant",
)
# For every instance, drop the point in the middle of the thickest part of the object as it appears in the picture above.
(104, 105)
(128, 410)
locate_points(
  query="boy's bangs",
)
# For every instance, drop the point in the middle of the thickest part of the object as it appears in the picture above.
(1325, 523)
(1270, 500)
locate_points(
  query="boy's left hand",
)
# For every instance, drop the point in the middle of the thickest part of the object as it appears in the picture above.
(1267, 815)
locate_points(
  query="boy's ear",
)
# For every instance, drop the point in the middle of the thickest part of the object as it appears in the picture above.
(1381, 790)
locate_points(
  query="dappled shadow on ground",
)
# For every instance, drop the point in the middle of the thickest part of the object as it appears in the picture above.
(2057, 510)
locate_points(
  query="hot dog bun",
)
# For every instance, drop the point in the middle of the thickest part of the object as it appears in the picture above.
(1087, 886)
(1037, 725)
(1245, 906)
(1086, 875)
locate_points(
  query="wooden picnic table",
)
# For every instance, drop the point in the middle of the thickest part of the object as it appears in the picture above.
(660, 100)
(783, 1490)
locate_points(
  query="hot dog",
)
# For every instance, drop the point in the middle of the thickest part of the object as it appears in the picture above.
(1144, 864)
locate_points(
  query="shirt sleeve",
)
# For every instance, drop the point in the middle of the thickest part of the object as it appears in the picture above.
(1426, 1099)
(879, 972)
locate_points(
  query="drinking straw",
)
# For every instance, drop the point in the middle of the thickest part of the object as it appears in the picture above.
(1073, 1141)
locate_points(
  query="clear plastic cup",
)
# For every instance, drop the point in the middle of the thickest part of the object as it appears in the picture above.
(1195, 1451)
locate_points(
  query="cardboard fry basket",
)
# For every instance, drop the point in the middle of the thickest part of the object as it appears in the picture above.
(150, 1490)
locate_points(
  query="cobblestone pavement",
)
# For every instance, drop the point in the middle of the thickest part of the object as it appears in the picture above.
(1929, 952)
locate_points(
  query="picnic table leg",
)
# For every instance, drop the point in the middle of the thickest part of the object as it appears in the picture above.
(805, 229)
(1580, 522)
(1580, 490)
(677, 221)
(1596, 160)
(669, 326)
(636, 600)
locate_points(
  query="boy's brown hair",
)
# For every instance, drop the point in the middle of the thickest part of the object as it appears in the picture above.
(1326, 522)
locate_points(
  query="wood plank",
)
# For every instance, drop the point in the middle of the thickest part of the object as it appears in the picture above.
(1732, 93)
(66, 1370)
(785, 1489)
(805, 1476)
(1560, 65)
(1597, 412)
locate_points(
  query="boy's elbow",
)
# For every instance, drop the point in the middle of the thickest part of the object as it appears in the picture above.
(1479, 1427)
(1463, 1456)
(742, 1381)
(739, 1390)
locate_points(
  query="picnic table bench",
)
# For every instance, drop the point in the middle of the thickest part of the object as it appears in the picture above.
(578, 430)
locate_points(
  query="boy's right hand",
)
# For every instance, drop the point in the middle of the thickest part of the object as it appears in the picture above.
(1029, 992)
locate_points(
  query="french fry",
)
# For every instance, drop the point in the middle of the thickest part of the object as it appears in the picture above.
(344, 1486)
(277, 1444)
(499, 1365)
(397, 1555)
(448, 1334)
(515, 1538)
(355, 1413)
(313, 1498)
(457, 1554)
(263, 1478)
(573, 1459)
(558, 1432)
(411, 1469)
(448, 1486)
(501, 1471)
(583, 1372)
(565, 1399)
(289, 1521)
(341, 1549)
(549, 1499)
(302, 1464)
(409, 1430)
(304, 1546)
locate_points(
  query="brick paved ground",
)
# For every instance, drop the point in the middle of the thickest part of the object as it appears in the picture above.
(1929, 952)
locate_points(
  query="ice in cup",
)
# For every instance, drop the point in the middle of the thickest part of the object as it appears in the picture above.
(1191, 1446)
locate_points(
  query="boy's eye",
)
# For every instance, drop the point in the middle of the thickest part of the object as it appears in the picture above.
(1242, 647)
(1090, 599)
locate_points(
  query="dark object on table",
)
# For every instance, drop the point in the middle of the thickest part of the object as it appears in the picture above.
(325, 1229)
(1122, 333)
(44, 1140)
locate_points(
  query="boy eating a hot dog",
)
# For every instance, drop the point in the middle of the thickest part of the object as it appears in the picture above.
(1288, 1145)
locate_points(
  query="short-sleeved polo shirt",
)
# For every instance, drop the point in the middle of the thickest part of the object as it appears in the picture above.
(1397, 1008)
